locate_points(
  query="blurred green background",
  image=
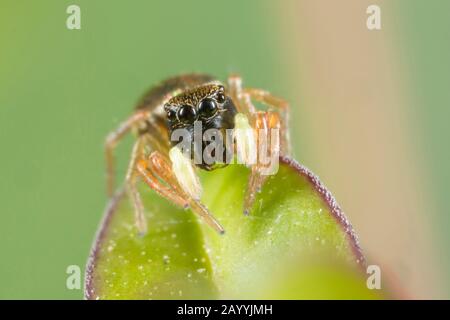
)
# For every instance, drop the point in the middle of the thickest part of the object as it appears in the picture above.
(62, 91)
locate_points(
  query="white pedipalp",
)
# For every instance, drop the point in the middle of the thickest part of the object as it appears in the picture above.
(185, 173)
(244, 137)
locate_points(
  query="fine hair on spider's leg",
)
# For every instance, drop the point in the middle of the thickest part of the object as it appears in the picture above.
(152, 172)
(245, 140)
(157, 172)
(260, 120)
(159, 180)
(147, 170)
(268, 136)
(190, 185)
(110, 144)
(130, 183)
(181, 184)
(267, 125)
(281, 106)
(203, 212)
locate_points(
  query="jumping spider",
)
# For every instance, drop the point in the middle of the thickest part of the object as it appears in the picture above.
(179, 102)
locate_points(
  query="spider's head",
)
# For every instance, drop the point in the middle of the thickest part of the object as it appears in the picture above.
(201, 117)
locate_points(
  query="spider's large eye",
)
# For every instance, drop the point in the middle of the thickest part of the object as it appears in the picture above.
(171, 115)
(207, 108)
(186, 114)
(220, 97)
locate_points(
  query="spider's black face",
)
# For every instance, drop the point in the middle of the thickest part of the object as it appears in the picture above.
(198, 120)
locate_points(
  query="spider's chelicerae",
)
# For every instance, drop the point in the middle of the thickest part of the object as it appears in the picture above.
(184, 102)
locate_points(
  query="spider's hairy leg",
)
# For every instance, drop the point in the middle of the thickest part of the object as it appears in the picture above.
(235, 92)
(243, 122)
(279, 105)
(188, 185)
(130, 183)
(200, 209)
(142, 168)
(155, 172)
(111, 141)
(267, 126)
(185, 173)
(245, 140)
(263, 124)
(157, 175)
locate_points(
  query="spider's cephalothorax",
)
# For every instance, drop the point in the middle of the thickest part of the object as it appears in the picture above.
(183, 103)
(203, 114)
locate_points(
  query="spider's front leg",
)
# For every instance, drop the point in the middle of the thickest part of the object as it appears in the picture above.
(176, 181)
(277, 105)
(190, 187)
(267, 132)
(111, 142)
(271, 135)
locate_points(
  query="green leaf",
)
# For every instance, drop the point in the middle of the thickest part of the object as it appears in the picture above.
(296, 243)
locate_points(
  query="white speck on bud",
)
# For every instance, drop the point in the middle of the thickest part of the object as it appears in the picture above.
(185, 173)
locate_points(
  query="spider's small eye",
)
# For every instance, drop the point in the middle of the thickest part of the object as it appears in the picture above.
(207, 108)
(171, 115)
(187, 114)
(220, 97)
